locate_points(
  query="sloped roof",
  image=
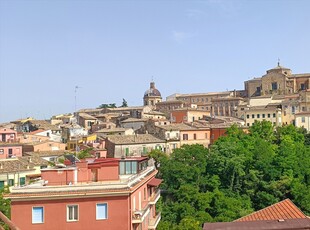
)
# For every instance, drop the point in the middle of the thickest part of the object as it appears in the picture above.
(134, 139)
(21, 164)
(282, 210)
(290, 224)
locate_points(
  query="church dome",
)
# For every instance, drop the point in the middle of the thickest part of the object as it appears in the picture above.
(152, 91)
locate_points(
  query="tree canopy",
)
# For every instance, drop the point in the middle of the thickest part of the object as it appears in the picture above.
(240, 173)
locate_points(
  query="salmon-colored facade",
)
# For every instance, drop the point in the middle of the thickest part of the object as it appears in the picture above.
(10, 150)
(103, 194)
(8, 135)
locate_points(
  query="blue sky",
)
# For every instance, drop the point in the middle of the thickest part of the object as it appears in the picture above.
(113, 49)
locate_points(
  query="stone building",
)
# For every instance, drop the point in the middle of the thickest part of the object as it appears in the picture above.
(277, 81)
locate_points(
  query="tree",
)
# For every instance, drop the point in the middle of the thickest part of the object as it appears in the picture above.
(241, 172)
(103, 106)
(84, 153)
(124, 103)
(5, 206)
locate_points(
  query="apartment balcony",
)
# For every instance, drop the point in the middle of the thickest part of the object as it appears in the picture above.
(153, 221)
(154, 198)
(138, 216)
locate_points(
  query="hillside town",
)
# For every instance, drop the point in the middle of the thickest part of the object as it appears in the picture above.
(94, 168)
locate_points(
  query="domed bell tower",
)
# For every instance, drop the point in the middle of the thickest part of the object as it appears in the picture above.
(151, 96)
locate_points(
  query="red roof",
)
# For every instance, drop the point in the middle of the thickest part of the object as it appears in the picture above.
(37, 131)
(283, 210)
(154, 182)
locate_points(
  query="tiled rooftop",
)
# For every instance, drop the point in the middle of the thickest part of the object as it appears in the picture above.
(47, 153)
(174, 127)
(87, 116)
(283, 210)
(134, 139)
(21, 164)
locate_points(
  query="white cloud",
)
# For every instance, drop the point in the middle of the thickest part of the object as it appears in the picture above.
(194, 13)
(180, 37)
(226, 7)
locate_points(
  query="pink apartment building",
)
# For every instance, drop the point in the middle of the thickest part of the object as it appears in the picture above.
(10, 150)
(107, 193)
(8, 135)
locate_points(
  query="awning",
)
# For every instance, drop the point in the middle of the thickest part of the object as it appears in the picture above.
(154, 182)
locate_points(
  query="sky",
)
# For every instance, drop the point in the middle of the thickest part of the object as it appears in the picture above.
(113, 49)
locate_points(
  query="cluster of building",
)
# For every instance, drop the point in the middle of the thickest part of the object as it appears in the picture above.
(114, 185)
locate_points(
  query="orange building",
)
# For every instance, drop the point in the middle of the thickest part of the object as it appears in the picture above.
(187, 115)
(103, 194)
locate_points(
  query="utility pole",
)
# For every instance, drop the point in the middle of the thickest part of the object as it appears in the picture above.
(75, 91)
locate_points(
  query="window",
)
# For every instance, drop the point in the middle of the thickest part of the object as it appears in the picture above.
(101, 211)
(185, 136)
(127, 151)
(302, 86)
(248, 124)
(10, 153)
(303, 119)
(268, 115)
(263, 115)
(195, 136)
(144, 193)
(274, 115)
(1, 151)
(11, 182)
(247, 116)
(127, 167)
(293, 109)
(253, 116)
(72, 212)
(258, 115)
(1, 184)
(274, 85)
(37, 215)
(22, 181)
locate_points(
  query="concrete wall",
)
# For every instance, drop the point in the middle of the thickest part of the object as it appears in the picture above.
(55, 214)
(16, 151)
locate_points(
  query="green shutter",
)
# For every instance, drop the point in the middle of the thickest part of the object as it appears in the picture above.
(11, 182)
(1, 184)
(22, 181)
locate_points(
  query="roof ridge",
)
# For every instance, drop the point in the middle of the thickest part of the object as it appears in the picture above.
(284, 209)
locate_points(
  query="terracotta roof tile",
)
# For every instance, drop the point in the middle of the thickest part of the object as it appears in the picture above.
(285, 209)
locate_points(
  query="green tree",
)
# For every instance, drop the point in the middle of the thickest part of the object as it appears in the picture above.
(103, 106)
(5, 206)
(124, 103)
(84, 153)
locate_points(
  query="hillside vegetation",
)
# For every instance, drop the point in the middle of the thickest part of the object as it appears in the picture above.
(240, 173)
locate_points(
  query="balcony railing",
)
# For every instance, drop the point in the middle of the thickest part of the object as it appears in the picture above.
(155, 197)
(153, 222)
(138, 216)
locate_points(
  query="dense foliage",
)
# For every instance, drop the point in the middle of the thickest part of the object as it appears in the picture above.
(4, 206)
(242, 172)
